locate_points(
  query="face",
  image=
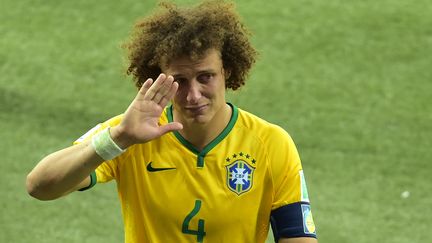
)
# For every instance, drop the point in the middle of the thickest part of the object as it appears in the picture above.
(200, 97)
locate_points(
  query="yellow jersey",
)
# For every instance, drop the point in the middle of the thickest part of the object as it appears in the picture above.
(171, 192)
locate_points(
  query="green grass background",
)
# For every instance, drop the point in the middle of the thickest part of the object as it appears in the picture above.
(349, 80)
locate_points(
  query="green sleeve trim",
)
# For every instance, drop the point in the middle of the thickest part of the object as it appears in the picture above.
(93, 180)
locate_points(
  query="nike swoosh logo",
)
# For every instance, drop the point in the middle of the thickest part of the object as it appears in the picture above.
(150, 168)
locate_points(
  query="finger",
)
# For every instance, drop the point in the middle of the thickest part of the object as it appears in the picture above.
(145, 87)
(164, 90)
(170, 95)
(143, 90)
(154, 89)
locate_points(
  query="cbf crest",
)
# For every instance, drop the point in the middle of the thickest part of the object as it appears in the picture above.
(240, 173)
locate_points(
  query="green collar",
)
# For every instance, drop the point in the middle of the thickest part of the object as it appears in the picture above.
(201, 154)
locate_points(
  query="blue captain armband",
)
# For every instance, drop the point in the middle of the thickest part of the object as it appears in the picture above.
(293, 220)
(93, 180)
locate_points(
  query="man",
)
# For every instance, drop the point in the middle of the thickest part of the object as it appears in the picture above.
(200, 169)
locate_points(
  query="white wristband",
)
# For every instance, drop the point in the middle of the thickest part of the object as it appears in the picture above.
(104, 146)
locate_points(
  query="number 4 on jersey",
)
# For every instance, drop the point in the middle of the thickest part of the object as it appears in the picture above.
(200, 233)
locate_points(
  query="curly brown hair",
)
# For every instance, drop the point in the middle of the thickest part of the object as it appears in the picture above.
(173, 31)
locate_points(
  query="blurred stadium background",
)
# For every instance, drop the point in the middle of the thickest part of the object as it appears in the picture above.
(351, 81)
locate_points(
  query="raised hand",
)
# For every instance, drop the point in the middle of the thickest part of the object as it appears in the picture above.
(141, 120)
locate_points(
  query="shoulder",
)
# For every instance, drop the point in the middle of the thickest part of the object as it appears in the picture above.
(274, 141)
(265, 130)
(114, 121)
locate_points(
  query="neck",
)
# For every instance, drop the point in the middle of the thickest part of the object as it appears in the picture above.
(201, 134)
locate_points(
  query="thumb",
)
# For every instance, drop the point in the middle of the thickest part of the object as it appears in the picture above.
(172, 126)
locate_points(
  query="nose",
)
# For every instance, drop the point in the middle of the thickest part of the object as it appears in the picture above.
(194, 92)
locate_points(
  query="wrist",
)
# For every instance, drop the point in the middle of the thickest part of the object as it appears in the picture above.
(105, 146)
(120, 137)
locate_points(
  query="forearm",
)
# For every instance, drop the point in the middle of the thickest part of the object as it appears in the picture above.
(60, 172)
(298, 240)
(66, 170)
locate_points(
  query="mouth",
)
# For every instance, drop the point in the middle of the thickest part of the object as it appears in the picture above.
(196, 108)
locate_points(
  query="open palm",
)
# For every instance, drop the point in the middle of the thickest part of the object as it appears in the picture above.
(141, 120)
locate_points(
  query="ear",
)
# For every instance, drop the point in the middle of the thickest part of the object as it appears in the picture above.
(227, 73)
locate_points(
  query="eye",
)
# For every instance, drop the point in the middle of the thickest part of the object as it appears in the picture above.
(180, 80)
(205, 77)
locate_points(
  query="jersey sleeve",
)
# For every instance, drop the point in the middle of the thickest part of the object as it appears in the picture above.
(286, 169)
(291, 211)
(108, 170)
